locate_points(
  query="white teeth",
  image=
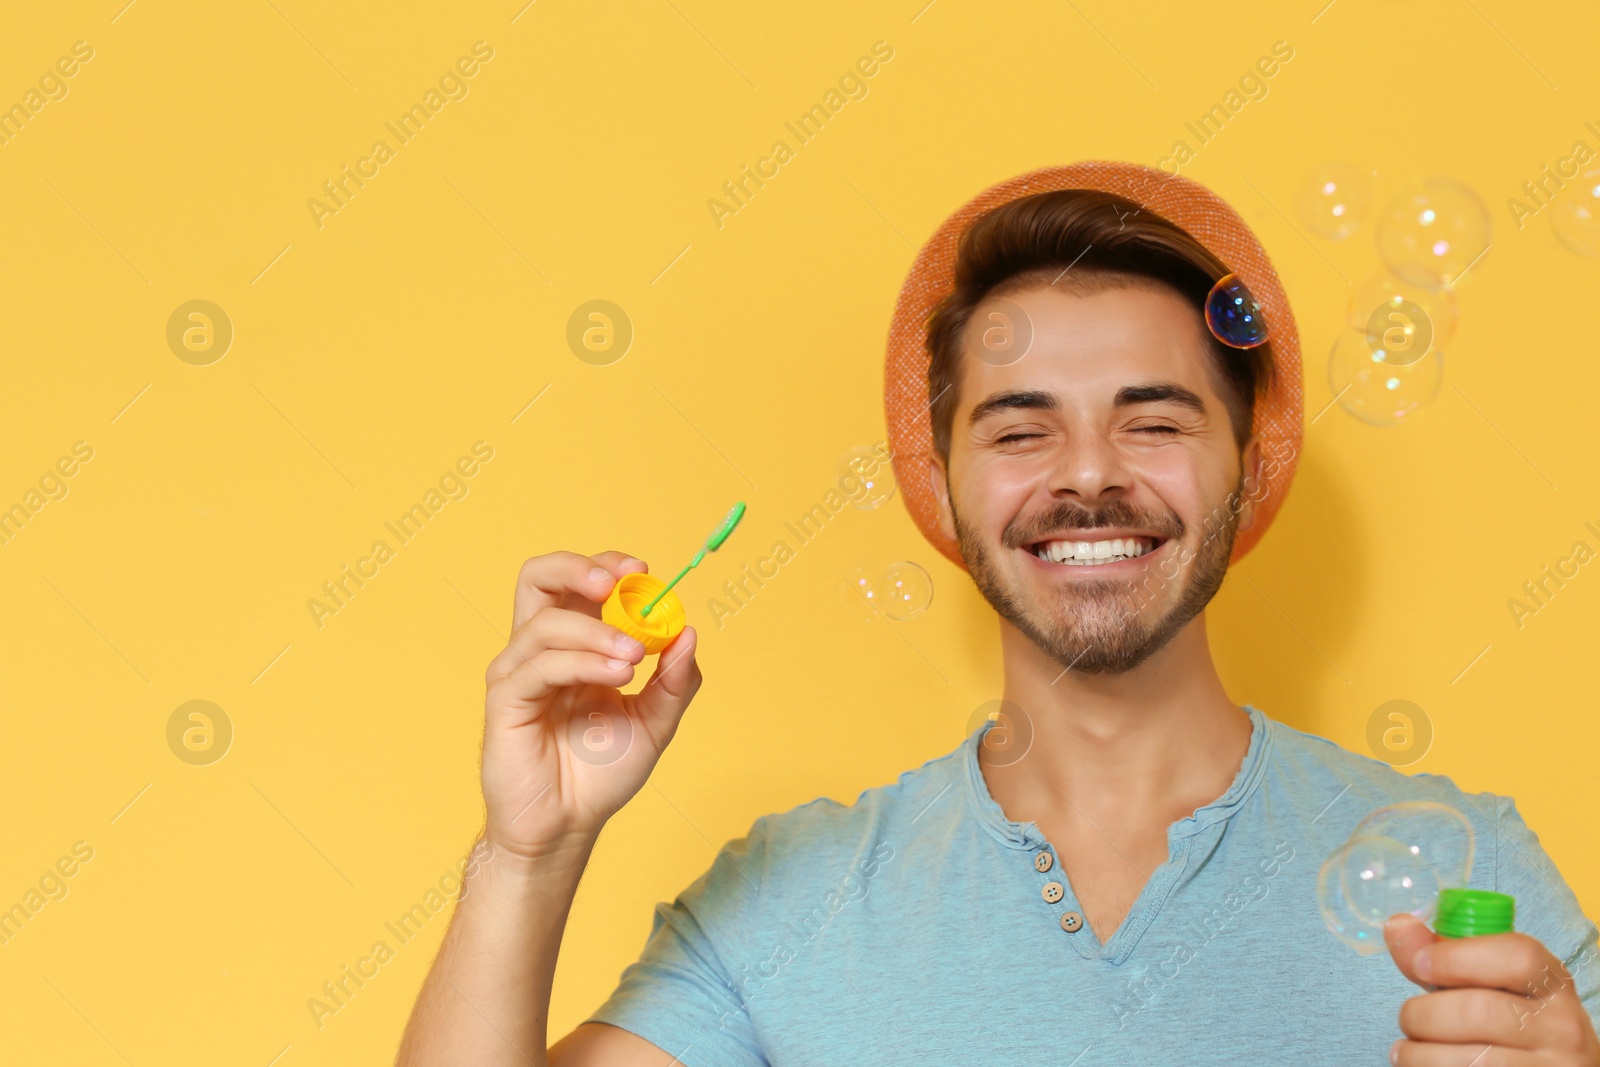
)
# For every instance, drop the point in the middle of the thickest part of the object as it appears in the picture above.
(1093, 553)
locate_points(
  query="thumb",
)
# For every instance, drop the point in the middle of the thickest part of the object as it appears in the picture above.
(1405, 934)
(673, 684)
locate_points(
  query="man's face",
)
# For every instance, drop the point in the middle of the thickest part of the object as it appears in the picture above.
(1089, 481)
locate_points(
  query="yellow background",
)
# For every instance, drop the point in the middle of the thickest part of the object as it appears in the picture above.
(427, 314)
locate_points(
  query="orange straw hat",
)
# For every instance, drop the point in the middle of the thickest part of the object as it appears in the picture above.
(1187, 204)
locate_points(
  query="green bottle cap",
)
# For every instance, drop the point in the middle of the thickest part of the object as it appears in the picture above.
(1473, 912)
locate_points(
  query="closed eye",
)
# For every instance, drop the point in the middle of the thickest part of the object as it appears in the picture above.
(1155, 429)
(1016, 437)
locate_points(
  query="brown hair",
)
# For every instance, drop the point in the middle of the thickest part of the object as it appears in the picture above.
(1107, 241)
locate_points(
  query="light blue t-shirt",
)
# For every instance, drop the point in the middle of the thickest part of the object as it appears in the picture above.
(920, 926)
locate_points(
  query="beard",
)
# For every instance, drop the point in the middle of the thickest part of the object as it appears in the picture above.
(1105, 626)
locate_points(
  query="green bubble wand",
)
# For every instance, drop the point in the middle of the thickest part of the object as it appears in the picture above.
(713, 543)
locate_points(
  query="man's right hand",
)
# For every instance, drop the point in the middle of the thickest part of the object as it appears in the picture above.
(563, 749)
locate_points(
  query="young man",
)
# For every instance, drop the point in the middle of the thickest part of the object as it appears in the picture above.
(1123, 866)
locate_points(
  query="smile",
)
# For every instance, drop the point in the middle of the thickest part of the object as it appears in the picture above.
(1076, 553)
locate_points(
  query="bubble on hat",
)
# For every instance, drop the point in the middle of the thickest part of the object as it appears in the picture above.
(1233, 314)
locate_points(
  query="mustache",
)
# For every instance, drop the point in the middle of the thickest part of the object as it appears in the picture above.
(1069, 514)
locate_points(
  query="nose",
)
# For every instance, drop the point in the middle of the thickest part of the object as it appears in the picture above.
(1091, 467)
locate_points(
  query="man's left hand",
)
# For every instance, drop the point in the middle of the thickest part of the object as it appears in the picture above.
(1496, 1001)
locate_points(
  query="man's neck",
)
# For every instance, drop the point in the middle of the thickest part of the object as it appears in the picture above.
(1139, 749)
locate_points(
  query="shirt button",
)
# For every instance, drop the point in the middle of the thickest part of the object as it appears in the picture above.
(1071, 922)
(1043, 862)
(1053, 892)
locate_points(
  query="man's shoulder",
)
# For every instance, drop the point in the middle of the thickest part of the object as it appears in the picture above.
(1332, 788)
(1353, 784)
(824, 829)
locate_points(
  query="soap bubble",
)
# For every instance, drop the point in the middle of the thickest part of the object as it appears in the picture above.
(901, 591)
(1395, 860)
(1334, 200)
(1376, 391)
(1431, 233)
(866, 478)
(1233, 314)
(860, 593)
(905, 590)
(1383, 295)
(1368, 880)
(1575, 216)
(1399, 332)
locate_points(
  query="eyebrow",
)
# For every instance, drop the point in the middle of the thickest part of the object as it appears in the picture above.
(1127, 396)
(1157, 393)
(1033, 399)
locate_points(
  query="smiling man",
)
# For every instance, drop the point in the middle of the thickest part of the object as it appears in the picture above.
(1119, 867)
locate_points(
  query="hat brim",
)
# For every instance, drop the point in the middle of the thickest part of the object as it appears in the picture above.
(1205, 216)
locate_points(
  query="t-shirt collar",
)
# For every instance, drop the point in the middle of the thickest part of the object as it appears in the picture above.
(1028, 836)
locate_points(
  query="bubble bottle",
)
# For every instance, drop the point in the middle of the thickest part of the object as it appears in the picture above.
(645, 608)
(1474, 913)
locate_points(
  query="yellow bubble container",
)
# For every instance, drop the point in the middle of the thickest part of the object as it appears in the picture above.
(654, 631)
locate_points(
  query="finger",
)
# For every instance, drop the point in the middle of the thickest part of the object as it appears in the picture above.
(617, 564)
(1487, 1016)
(620, 563)
(673, 684)
(1405, 934)
(1406, 1053)
(545, 581)
(559, 628)
(1514, 962)
(513, 700)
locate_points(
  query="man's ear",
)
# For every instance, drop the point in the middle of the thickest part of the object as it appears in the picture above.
(939, 482)
(1254, 490)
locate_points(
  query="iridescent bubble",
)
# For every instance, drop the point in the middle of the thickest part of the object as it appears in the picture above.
(906, 590)
(1575, 216)
(1369, 879)
(866, 477)
(1399, 332)
(1375, 390)
(1385, 294)
(1395, 860)
(902, 590)
(1334, 200)
(1431, 233)
(1233, 314)
(859, 591)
